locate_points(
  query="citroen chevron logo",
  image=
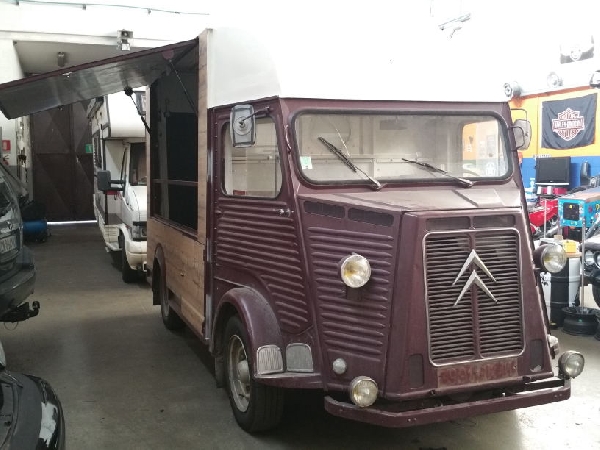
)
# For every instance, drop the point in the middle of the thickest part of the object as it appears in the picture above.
(474, 278)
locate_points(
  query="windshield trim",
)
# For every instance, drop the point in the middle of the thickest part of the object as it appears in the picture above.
(428, 181)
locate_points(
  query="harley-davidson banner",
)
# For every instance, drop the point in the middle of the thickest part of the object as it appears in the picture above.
(569, 123)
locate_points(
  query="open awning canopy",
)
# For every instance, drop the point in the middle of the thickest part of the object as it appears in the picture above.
(87, 81)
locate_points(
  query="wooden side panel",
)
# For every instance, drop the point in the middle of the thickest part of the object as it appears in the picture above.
(184, 260)
(184, 254)
(202, 135)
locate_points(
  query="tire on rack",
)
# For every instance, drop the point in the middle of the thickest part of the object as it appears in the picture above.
(128, 274)
(596, 293)
(169, 317)
(256, 407)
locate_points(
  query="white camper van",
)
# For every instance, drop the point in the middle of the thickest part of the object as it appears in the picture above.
(119, 146)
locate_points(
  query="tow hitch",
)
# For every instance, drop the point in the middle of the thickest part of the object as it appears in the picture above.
(21, 312)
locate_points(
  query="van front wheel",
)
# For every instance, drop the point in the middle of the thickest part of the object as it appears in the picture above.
(127, 273)
(256, 407)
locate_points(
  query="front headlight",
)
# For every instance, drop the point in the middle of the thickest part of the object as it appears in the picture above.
(553, 258)
(138, 232)
(570, 364)
(589, 258)
(363, 391)
(355, 271)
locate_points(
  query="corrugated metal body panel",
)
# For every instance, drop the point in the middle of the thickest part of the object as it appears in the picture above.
(252, 236)
(352, 326)
(87, 81)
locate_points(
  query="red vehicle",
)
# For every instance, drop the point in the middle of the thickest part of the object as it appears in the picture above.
(544, 217)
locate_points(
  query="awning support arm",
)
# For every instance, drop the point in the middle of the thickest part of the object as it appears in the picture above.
(185, 91)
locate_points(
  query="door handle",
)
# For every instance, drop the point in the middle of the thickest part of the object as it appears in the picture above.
(218, 213)
(287, 212)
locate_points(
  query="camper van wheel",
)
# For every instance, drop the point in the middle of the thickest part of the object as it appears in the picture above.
(256, 407)
(127, 273)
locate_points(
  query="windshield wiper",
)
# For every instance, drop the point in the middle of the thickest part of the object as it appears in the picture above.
(336, 151)
(463, 181)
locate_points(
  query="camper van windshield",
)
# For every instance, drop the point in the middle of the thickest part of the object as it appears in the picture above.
(138, 165)
(385, 147)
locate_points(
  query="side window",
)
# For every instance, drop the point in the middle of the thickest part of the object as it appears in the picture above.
(175, 170)
(253, 171)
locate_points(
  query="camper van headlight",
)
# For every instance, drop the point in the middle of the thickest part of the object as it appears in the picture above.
(570, 364)
(138, 231)
(553, 258)
(355, 270)
(589, 258)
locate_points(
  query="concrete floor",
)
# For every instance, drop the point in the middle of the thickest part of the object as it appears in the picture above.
(127, 383)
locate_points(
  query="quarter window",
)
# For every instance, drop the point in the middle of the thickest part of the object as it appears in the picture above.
(253, 171)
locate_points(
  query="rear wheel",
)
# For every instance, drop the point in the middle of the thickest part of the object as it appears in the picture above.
(169, 317)
(127, 273)
(256, 407)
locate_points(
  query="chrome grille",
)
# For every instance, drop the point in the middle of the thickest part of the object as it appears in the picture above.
(476, 326)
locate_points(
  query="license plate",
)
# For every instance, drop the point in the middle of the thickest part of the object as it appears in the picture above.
(475, 373)
(8, 244)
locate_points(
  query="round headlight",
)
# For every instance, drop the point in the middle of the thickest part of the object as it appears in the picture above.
(355, 271)
(589, 258)
(571, 364)
(363, 391)
(553, 258)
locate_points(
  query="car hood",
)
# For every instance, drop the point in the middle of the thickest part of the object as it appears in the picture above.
(426, 199)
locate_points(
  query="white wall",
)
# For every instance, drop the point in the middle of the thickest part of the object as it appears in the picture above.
(10, 69)
(43, 23)
(59, 23)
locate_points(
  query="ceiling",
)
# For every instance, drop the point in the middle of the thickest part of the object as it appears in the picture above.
(39, 57)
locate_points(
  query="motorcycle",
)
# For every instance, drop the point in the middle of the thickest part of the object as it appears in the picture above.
(543, 216)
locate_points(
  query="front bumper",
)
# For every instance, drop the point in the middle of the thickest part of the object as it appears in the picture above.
(136, 254)
(20, 284)
(33, 415)
(537, 393)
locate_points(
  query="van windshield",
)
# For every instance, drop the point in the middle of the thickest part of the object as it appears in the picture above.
(137, 175)
(386, 147)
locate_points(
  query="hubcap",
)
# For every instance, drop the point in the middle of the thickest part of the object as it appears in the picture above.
(239, 373)
(164, 303)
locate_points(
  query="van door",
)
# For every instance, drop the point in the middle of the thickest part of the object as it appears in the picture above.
(256, 239)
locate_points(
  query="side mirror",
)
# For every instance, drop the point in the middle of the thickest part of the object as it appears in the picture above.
(522, 133)
(595, 80)
(242, 126)
(103, 181)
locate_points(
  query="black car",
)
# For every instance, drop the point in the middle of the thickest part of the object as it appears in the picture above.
(17, 269)
(32, 416)
(591, 260)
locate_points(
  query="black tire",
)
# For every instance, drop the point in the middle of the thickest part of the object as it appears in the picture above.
(127, 273)
(169, 317)
(256, 407)
(596, 293)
